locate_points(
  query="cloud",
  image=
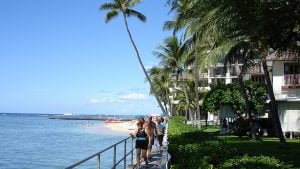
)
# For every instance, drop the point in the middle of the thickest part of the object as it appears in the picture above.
(133, 96)
(120, 97)
(104, 100)
(94, 101)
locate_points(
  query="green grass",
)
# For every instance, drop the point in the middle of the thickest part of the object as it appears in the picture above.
(267, 146)
(210, 129)
(205, 148)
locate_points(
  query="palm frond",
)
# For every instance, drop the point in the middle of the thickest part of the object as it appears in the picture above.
(132, 3)
(108, 6)
(140, 16)
(110, 15)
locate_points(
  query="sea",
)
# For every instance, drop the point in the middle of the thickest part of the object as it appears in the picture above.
(33, 141)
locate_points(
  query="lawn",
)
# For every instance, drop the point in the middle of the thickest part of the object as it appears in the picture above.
(206, 148)
(267, 146)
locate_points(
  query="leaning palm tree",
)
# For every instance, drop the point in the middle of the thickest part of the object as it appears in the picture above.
(173, 53)
(162, 80)
(125, 8)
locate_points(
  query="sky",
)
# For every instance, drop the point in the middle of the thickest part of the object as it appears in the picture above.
(59, 56)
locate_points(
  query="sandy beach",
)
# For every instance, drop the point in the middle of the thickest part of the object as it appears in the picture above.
(129, 126)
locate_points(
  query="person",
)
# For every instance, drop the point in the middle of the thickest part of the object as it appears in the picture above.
(141, 142)
(166, 120)
(150, 128)
(160, 130)
(224, 126)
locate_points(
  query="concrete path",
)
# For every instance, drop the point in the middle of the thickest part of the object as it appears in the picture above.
(157, 160)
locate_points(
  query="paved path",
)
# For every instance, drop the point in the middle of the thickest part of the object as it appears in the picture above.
(157, 160)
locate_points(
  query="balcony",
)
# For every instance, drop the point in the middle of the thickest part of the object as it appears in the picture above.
(284, 56)
(255, 70)
(291, 81)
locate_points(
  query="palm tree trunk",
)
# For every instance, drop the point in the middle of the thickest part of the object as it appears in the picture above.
(141, 63)
(247, 102)
(170, 104)
(196, 72)
(188, 104)
(274, 106)
(165, 104)
(186, 115)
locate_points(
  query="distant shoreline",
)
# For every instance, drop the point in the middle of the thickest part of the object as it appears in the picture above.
(71, 117)
(100, 117)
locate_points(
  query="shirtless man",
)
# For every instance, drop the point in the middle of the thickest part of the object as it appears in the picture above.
(150, 128)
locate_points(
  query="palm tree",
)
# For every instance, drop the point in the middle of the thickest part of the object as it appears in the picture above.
(124, 6)
(172, 52)
(173, 55)
(162, 80)
(227, 23)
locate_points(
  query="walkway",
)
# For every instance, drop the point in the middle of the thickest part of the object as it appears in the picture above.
(157, 160)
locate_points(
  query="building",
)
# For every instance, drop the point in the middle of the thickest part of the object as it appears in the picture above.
(285, 75)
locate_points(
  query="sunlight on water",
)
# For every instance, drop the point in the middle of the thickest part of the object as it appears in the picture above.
(34, 141)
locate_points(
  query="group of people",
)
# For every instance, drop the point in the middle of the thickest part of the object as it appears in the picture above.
(146, 133)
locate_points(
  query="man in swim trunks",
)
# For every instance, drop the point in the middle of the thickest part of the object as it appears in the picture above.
(150, 128)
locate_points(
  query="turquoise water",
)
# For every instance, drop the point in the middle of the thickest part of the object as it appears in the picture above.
(34, 141)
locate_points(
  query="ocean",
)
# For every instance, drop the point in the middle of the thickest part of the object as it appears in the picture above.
(33, 141)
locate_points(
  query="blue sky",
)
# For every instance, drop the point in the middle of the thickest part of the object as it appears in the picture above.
(59, 56)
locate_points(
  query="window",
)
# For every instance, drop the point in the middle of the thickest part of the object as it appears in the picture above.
(258, 78)
(291, 68)
(292, 74)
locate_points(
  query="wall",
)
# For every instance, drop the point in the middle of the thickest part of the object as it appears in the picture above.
(289, 113)
(278, 75)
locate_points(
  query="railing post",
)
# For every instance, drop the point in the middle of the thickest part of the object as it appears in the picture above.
(131, 151)
(125, 153)
(115, 156)
(115, 163)
(98, 161)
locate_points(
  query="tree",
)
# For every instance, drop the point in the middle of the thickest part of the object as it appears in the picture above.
(172, 53)
(230, 94)
(125, 7)
(162, 80)
(225, 23)
(244, 53)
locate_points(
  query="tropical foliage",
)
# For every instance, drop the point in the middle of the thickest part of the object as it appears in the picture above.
(230, 94)
(194, 149)
(227, 31)
(231, 31)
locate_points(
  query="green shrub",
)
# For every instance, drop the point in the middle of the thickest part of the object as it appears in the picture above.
(193, 149)
(257, 162)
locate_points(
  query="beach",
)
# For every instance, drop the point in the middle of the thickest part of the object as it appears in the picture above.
(128, 126)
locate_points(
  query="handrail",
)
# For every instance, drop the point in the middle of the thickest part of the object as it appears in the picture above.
(291, 80)
(166, 157)
(115, 163)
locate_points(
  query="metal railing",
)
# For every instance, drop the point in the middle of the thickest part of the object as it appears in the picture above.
(291, 80)
(166, 157)
(115, 162)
